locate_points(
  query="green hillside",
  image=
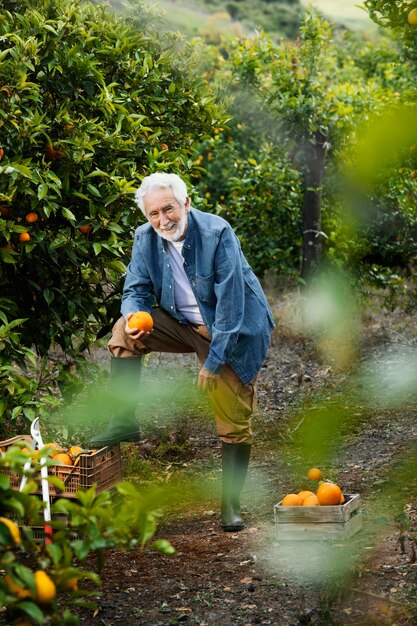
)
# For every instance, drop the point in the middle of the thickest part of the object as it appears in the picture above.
(280, 18)
(345, 12)
(195, 17)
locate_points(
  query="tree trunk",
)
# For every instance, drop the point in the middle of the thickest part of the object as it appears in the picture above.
(312, 233)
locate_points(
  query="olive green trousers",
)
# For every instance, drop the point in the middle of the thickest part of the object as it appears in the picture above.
(232, 402)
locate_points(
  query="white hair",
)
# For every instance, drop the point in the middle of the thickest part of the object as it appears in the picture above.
(161, 180)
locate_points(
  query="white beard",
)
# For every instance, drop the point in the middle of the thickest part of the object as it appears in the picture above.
(177, 231)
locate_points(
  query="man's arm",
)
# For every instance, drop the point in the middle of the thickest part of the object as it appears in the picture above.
(138, 287)
(230, 301)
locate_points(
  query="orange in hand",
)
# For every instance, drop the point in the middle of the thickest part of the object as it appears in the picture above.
(142, 321)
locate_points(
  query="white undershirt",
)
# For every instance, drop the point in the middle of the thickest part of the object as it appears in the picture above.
(183, 294)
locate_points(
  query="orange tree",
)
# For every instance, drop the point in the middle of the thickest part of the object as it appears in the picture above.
(89, 103)
(43, 582)
(389, 157)
(398, 15)
(300, 102)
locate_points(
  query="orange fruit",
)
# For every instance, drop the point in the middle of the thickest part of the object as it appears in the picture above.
(54, 448)
(49, 151)
(62, 457)
(13, 529)
(412, 17)
(74, 451)
(45, 588)
(24, 237)
(142, 321)
(1, 153)
(329, 494)
(305, 494)
(70, 584)
(32, 217)
(292, 499)
(342, 499)
(84, 229)
(4, 211)
(34, 453)
(311, 501)
(17, 590)
(314, 474)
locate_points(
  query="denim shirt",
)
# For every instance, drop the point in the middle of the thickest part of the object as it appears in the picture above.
(230, 297)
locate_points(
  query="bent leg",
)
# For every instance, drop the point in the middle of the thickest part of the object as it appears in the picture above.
(168, 335)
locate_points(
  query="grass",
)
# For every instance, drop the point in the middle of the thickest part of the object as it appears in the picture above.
(346, 12)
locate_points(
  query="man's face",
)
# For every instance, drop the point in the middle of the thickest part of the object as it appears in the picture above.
(166, 215)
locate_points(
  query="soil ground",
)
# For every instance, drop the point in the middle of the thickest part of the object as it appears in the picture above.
(251, 577)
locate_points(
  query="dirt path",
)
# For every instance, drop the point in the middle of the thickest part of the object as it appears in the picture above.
(250, 577)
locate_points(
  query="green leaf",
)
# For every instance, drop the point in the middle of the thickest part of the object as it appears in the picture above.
(32, 610)
(4, 482)
(42, 191)
(93, 190)
(97, 248)
(49, 295)
(26, 576)
(16, 167)
(56, 482)
(55, 552)
(163, 546)
(17, 506)
(68, 214)
(97, 173)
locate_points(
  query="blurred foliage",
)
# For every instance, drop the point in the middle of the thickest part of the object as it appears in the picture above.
(82, 527)
(89, 103)
(395, 15)
(284, 98)
(259, 192)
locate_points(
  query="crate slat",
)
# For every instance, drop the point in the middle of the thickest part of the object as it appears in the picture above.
(102, 468)
(308, 523)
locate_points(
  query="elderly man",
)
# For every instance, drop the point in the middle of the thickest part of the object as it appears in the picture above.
(187, 269)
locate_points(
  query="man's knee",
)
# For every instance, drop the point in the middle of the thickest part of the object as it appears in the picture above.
(120, 344)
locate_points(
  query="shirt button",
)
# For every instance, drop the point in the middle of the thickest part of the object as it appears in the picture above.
(172, 308)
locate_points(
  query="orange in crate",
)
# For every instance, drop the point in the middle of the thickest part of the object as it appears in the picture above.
(101, 468)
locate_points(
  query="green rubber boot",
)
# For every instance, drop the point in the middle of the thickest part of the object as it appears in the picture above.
(235, 461)
(124, 388)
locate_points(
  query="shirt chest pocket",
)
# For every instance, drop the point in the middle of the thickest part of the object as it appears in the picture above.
(204, 286)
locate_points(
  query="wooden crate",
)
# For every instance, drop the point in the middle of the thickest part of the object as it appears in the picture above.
(307, 523)
(101, 468)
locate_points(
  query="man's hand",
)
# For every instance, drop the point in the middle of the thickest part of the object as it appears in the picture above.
(134, 332)
(207, 381)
